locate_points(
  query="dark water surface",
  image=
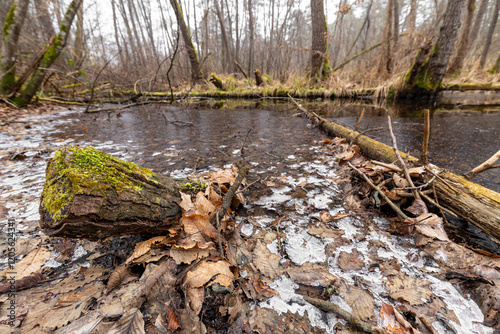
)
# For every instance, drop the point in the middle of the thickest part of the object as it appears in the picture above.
(460, 139)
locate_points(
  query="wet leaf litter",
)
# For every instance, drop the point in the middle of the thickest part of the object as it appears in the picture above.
(298, 234)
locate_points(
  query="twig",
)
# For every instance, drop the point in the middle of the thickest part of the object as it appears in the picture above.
(175, 121)
(359, 120)
(430, 200)
(400, 159)
(341, 313)
(226, 202)
(441, 179)
(244, 141)
(419, 187)
(392, 205)
(170, 68)
(95, 80)
(488, 164)
(427, 128)
(389, 166)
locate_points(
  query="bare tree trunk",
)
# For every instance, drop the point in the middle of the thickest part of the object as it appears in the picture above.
(384, 65)
(489, 36)
(42, 12)
(457, 61)
(79, 46)
(478, 22)
(196, 73)
(395, 22)
(117, 38)
(412, 15)
(426, 77)
(139, 43)
(11, 32)
(131, 40)
(50, 56)
(251, 33)
(365, 23)
(146, 14)
(229, 63)
(319, 47)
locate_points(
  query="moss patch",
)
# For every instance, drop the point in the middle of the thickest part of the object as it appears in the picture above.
(78, 170)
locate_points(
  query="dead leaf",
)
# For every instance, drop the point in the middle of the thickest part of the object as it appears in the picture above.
(182, 255)
(399, 181)
(206, 270)
(195, 298)
(212, 195)
(265, 261)
(431, 226)
(394, 321)
(196, 224)
(117, 276)
(309, 274)
(173, 324)
(418, 208)
(415, 291)
(204, 207)
(161, 280)
(325, 216)
(325, 232)
(143, 248)
(190, 322)
(186, 204)
(360, 301)
(234, 306)
(31, 263)
(351, 261)
(132, 322)
(263, 289)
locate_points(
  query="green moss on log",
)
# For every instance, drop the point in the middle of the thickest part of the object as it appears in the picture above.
(76, 170)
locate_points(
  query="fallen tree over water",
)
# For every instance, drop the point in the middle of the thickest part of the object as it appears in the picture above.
(473, 202)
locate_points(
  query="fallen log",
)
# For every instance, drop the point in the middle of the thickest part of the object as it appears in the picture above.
(91, 194)
(471, 201)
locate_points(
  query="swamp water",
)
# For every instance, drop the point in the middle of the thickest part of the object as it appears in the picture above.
(295, 183)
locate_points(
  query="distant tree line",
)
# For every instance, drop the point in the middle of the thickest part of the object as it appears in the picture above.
(59, 45)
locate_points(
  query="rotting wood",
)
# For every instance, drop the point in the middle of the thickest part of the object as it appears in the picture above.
(473, 202)
(94, 195)
(343, 314)
(258, 77)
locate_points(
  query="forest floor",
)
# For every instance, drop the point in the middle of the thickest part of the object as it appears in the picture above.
(312, 232)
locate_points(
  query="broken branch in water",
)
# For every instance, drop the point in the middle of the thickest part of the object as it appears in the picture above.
(488, 164)
(392, 205)
(244, 142)
(338, 311)
(400, 159)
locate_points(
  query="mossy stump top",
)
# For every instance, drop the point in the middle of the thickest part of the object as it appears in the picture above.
(91, 194)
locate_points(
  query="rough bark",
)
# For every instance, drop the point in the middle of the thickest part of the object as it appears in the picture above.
(250, 37)
(478, 21)
(475, 203)
(412, 15)
(489, 36)
(91, 194)
(79, 44)
(229, 64)
(196, 73)
(457, 61)
(11, 32)
(425, 78)
(43, 15)
(395, 22)
(319, 47)
(384, 65)
(50, 56)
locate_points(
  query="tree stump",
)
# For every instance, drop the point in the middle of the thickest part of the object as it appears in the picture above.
(94, 195)
(258, 77)
(217, 82)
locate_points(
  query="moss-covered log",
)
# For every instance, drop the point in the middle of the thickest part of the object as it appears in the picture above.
(471, 201)
(91, 194)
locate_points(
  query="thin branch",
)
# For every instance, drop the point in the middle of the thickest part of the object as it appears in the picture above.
(95, 80)
(400, 159)
(391, 204)
(488, 164)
